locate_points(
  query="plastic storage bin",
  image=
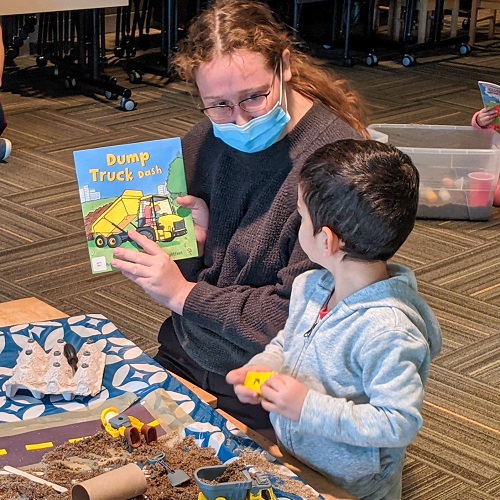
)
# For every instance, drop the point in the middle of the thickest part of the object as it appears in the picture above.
(458, 167)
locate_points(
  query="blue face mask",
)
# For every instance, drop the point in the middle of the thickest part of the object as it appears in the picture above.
(259, 133)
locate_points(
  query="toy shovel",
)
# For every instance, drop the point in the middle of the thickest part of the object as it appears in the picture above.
(176, 477)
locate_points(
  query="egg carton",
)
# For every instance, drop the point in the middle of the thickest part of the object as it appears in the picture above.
(49, 373)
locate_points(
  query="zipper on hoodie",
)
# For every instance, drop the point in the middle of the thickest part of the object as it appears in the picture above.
(316, 321)
(308, 333)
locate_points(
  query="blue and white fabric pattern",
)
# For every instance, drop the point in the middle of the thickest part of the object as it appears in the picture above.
(128, 370)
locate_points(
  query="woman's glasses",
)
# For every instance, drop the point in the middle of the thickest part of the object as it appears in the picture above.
(252, 104)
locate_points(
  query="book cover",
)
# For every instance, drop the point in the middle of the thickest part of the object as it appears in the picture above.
(134, 186)
(490, 93)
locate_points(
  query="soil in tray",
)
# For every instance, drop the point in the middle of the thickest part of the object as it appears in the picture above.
(453, 211)
(75, 462)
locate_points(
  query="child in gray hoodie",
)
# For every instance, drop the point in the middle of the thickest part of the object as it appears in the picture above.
(353, 358)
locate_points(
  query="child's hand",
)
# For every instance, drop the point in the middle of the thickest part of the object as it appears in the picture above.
(284, 395)
(237, 378)
(486, 116)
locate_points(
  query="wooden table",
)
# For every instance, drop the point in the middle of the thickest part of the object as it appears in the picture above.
(32, 310)
(14, 7)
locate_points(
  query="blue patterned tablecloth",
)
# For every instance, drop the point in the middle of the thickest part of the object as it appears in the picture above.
(128, 370)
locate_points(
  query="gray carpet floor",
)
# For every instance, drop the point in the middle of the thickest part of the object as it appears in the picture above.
(43, 249)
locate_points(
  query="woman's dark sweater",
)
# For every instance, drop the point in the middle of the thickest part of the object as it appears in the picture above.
(252, 253)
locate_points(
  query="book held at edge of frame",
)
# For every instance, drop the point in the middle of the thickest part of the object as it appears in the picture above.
(134, 187)
(490, 93)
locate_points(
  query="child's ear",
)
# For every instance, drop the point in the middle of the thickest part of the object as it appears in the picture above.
(331, 242)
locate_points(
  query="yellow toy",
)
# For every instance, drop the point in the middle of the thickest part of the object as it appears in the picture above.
(254, 380)
(116, 424)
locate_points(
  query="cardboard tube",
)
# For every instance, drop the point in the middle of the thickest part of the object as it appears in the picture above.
(119, 484)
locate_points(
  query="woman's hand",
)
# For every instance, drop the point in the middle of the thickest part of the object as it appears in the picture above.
(237, 377)
(486, 116)
(199, 211)
(154, 271)
(284, 395)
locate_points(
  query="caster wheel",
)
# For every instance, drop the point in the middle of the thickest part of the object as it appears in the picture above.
(135, 77)
(129, 47)
(464, 49)
(104, 61)
(408, 60)
(131, 53)
(348, 62)
(70, 82)
(12, 53)
(119, 52)
(465, 24)
(127, 104)
(371, 60)
(41, 61)
(56, 71)
(110, 95)
(127, 93)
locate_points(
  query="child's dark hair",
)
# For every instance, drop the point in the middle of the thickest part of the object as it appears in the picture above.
(366, 192)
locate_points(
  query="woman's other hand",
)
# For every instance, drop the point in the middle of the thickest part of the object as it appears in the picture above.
(154, 271)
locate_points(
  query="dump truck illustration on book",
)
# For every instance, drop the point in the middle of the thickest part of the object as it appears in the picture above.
(134, 186)
(153, 216)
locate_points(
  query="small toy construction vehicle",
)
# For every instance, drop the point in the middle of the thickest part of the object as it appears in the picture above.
(117, 424)
(257, 487)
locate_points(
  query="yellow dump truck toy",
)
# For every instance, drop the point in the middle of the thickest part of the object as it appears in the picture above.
(256, 486)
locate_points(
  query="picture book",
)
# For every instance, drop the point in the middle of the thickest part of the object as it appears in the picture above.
(490, 93)
(134, 186)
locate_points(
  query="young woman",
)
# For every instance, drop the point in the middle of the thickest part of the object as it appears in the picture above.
(268, 107)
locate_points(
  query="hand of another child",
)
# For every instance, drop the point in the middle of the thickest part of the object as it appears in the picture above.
(486, 116)
(284, 395)
(237, 379)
